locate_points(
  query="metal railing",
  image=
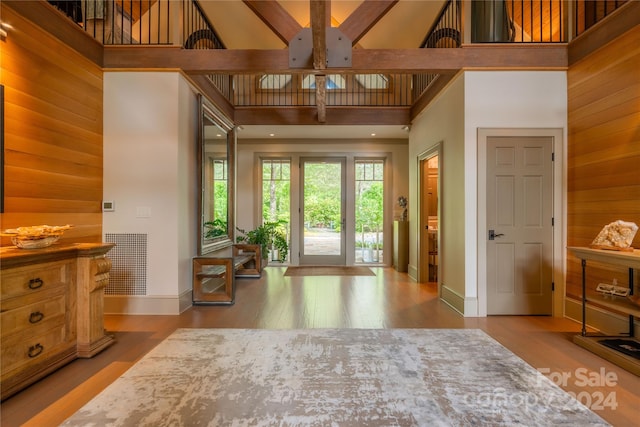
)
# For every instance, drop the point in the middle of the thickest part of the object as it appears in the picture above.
(446, 32)
(143, 22)
(198, 33)
(278, 90)
(587, 13)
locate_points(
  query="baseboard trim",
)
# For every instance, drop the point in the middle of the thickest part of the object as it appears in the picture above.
(452, 298)
(147, 304)
(598, 319)
(412, 271)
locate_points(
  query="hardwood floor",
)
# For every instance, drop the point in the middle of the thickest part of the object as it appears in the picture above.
(388, 300)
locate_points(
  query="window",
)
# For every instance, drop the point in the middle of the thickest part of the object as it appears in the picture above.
(369, 210)
(276, 190)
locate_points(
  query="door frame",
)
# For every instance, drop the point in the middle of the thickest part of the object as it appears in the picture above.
(422, 263)
(559, 179)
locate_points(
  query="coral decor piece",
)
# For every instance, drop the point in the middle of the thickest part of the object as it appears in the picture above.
(617, 235)
(36, 236)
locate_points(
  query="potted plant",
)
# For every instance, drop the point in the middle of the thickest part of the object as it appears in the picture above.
(270, 236)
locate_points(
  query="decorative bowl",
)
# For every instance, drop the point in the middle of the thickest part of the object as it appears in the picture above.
(37, 243)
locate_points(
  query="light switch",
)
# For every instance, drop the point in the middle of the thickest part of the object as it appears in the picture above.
(143, 212)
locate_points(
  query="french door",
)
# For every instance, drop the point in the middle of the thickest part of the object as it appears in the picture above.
(322, 211)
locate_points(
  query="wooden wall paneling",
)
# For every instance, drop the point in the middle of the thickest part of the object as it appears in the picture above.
(603, 150)
(53, 133)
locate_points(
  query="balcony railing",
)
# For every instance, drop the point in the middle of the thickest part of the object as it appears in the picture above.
(144, 22)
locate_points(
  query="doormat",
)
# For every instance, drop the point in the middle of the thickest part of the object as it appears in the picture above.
(626, 346)
(330, 270)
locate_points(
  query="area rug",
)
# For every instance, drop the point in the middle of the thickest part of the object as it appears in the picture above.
(333, 270)
(332, 377)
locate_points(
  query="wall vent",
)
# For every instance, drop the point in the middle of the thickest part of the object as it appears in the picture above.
(128, 274)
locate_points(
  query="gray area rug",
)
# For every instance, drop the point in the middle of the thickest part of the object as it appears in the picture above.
(332, 377)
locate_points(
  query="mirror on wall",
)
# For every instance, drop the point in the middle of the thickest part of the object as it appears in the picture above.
(215, 149)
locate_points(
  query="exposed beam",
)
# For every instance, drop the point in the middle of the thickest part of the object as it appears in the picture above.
(364, 18)
(275, 17)
(409, 61)
(321, 97)
(318, 12)
(335, 116)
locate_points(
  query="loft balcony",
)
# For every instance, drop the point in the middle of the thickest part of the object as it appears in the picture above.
(250, 83)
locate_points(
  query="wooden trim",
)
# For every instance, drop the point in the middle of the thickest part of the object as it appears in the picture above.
(613, 26)
(430, 94)
(334, 116)
(51, 20)
(204, 85)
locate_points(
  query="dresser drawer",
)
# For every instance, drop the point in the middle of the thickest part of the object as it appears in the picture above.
(19, 351)
(29, 316)
(24, 280)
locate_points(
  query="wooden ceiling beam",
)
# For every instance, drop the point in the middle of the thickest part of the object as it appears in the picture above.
(406, 61)
(364, 18)
(275, 17)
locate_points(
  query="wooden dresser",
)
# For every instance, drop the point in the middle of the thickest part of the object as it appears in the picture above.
(51, 309)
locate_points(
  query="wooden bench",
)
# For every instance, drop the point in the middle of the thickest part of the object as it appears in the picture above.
(214, 274)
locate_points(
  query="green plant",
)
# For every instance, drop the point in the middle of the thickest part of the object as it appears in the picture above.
(215, 228)
(270, 235)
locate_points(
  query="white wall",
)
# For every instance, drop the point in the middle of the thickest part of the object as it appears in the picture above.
(149, 172)
(478, 99)
(248, 177)
(506, 99)
(442, 122)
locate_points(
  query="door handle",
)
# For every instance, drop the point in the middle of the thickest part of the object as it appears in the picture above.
(493, 234)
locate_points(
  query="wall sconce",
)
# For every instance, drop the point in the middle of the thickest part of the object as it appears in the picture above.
(406, 128)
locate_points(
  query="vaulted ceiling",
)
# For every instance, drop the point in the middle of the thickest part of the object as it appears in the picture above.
(403, 26)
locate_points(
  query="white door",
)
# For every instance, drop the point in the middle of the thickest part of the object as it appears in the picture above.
(323, 236)
(519, 224)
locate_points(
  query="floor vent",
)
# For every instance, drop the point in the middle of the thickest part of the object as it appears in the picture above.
(128, 274)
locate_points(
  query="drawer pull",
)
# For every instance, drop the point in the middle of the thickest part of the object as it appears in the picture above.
(36, 317)
(35, 283)
(35, 350)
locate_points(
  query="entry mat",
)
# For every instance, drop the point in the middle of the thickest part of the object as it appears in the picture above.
(626, 346)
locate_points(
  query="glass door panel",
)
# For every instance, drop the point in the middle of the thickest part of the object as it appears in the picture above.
(323, 211)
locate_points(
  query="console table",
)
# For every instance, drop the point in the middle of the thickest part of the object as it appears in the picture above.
(630, 260)
(52, 309)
